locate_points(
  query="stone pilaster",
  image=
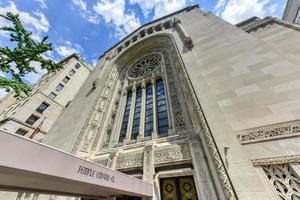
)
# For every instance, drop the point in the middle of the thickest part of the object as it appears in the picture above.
(148, 166)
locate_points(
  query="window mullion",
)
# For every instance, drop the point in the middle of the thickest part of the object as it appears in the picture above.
(154, 134)
(143, 112)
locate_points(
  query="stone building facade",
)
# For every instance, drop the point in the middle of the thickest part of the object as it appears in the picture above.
(198, 107)
(48, 98)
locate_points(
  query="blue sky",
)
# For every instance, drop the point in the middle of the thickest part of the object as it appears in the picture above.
(90, 27)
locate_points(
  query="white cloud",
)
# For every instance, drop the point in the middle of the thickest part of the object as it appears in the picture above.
(80, 3)
(68, 48)
(42, 3)
(84, 12)
(235, 11)
(160, 7)
(36, 21)
(113, 11)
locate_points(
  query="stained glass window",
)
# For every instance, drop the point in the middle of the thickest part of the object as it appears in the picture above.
(162, 113)
(149, 111)
(125, 117)
(137, 114)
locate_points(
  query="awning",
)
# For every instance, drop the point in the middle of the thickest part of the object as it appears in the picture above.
(26, 165)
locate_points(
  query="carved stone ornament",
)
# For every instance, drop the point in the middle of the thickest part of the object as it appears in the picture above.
(269, 134)
(129, 160)
(144, 66)
(171, 153)
(276, 160)
(283, 180)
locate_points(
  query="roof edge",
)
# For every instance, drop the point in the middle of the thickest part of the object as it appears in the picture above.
(188, 8)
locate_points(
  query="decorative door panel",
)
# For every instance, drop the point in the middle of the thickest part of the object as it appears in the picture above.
(169, 189)
(187, 188)
(178, 188)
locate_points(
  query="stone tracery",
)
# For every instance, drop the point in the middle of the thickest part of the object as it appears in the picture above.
(145, 66)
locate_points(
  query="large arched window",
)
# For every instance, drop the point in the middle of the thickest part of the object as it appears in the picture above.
(146, 109)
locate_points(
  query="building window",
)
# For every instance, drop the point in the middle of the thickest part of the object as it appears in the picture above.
(125, 117)
(21, 132)
(149, 111)
(59, 87)
(72, 72)
(52, 95)
(297, 18)
(162, 113)
(32, 119)
(42, 107)
(77, 66)
(137, 114)
(66, 79)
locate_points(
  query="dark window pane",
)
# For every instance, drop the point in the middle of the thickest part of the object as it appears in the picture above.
(72, 72)
(125, 117)
(59, 87)
(21, 132)
(77, 66)
(162, 115)
(32, 119)
(66, 79)
(163, 129)
(149, 118)
(42, 107)
(161, 108)
(163, 122)
(52, 95)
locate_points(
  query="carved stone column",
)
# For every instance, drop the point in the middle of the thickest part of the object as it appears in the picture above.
(112, 160)
(183, 34)
(148, 166)
(131, 114)
(203, 180)
(154, 134)
(143, 110)
(119, 120)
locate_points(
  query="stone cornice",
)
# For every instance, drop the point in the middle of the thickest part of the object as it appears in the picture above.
(271, 132)
(270, 20)
(276, 160)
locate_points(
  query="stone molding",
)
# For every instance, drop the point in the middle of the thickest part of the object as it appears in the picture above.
(130, 160)
(276, 160)
(172, 153)
(198, 120)
(266, 133)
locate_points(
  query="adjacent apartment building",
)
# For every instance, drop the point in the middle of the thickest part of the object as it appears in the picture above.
(292, 12)
(49, 97)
